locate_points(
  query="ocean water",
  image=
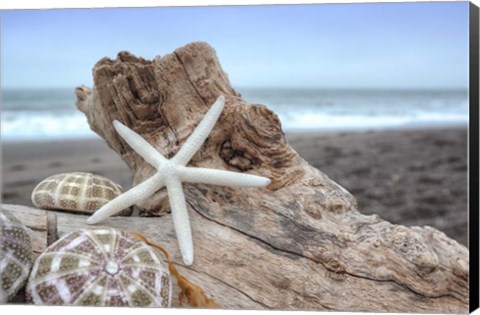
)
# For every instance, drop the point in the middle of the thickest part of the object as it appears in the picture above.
(41, 114)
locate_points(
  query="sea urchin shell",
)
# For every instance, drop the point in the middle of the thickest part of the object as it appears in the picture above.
(100, 267)
(79, 192)
(15, 255)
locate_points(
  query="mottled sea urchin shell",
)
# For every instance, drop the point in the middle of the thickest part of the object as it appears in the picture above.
(100, 266)
(79, 192)
(15, 255)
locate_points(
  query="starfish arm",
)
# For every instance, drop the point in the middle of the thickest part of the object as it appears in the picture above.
(139, 145)
(180, 218)
(127, 199)
(201, 132)
(222, 178)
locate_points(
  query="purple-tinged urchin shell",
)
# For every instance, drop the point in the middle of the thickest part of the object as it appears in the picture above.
(100, 266)
(15, 255)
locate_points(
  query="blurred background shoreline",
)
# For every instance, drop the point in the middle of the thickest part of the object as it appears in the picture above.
(50, 114)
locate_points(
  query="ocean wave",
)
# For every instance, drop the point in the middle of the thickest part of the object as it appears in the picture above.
(18, 126)
(44, 126)
(321, 121)
(51, 113)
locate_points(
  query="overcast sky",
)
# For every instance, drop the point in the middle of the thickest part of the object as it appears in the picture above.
(391, 45)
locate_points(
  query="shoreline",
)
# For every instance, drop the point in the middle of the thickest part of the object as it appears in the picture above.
(406, 176)
(409, 126)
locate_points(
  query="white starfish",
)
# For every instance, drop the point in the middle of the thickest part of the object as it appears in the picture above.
(171, 173)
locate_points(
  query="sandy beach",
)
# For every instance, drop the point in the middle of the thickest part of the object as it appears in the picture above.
(409, 177)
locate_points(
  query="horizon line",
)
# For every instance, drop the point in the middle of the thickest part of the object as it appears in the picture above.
(292, 87)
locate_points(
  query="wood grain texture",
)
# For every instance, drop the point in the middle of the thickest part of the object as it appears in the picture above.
(300, 243)
(243, 272)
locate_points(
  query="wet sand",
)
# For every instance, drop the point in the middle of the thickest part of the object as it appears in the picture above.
(409, 177)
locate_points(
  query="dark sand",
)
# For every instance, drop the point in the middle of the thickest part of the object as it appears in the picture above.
(409, 177)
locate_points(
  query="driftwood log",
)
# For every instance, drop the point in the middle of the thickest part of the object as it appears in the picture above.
(300, 243)
(52, 225)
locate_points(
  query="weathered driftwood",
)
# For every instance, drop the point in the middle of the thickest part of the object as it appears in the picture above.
(300, 243)
(61, 223)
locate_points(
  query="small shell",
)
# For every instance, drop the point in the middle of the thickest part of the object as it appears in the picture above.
(100, 266)
(78, 192)
(15, 255)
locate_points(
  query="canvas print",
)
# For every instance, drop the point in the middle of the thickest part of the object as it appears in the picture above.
(282, 157)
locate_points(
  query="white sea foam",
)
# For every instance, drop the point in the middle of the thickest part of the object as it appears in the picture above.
(321, 121)
(18, 126)
(50, 115)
